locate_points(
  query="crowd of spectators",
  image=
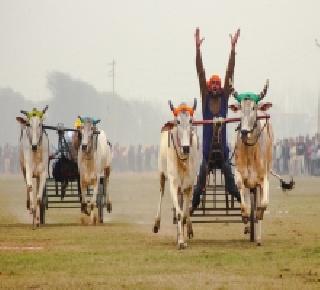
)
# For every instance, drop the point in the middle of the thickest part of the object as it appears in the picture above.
(297, 156)
(293, 156)
(125, 158)
(135, 158)
(9, 159)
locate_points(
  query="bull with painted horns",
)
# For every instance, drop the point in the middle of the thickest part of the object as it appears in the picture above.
(178, 163)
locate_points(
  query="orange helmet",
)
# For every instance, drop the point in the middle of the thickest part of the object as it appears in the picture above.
(214, 82)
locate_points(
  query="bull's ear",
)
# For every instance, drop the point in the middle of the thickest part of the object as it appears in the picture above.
(234, 107)
(21, 120)
(264, 106)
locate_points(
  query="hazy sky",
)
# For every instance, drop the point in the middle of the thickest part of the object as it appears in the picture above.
(153, 45)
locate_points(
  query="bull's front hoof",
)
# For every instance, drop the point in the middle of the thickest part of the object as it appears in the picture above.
(245, 219)
(259, 244)
(174, 220)
(93, 216)
(156, 226)
(84, 209)
(155, 229)
(84, 219)
(246, 230)
(182, 246)
(189, 231)
(109, 207)
(260, 213)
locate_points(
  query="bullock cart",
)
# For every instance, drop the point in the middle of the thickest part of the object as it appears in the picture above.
(217, 205)
(62, 188)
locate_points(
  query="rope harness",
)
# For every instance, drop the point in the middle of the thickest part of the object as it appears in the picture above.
(258, 135)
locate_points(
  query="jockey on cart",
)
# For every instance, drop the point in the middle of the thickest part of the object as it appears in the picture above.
(214, 105)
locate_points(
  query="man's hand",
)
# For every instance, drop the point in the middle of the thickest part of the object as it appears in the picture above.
(197, 38)
(234, 38)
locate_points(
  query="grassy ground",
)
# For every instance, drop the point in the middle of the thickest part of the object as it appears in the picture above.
(124, 254)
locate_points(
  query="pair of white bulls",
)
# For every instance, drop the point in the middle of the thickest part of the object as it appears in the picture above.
(179, 155)
(94, 160)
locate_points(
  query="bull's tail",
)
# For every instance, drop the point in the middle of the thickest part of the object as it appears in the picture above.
(284, 184)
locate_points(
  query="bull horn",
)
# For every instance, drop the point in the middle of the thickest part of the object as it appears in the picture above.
(265, 90)
(194, 104)
(45, 109)
(171, 106)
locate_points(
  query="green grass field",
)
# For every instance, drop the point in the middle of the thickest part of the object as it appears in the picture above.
(124, 253)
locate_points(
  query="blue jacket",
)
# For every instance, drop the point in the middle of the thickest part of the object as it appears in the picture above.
(207, 129)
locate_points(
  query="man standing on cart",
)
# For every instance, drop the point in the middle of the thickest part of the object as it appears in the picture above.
(214, 105)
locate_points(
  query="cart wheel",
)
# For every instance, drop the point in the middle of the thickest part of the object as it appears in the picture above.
(253, 216)
(100, 205)
(43, 206)
(109, 207)
(42, 213)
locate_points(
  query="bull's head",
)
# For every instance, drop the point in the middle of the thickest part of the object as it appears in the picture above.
(183, 117)
(249, 104)
(87, 131)
(34, 122)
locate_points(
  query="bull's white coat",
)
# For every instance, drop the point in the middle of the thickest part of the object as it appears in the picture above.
(253, 163)
(34, 163)
(180, 173)
(93, 163)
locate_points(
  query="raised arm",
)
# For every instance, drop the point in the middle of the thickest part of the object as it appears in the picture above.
(200, 70)
(231, 63)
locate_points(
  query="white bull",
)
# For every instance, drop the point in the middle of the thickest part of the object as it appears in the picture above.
(34, 156)
(253, 155)
(178, 162)
(94, 162)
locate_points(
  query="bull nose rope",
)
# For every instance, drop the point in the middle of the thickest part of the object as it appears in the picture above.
(39, 143)
(176, 150)
(258, 135)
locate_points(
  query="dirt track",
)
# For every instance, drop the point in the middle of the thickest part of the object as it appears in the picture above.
(123, 253)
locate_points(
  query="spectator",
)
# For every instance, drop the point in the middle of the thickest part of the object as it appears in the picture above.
(131, 159)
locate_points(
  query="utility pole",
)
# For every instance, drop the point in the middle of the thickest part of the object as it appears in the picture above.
(318, 125)
(318, 128)
(112, 75)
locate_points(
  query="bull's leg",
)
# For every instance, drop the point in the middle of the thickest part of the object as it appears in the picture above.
(25, 180)
(174, 194)
(265, 192)
(259, 221)
(40, 187)
(84, 210)
(264, 198)
(244, 208)
(93, 202)
(186, 212)
(156, 226)
(29, 188)
(106, 185)
(37, 210)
